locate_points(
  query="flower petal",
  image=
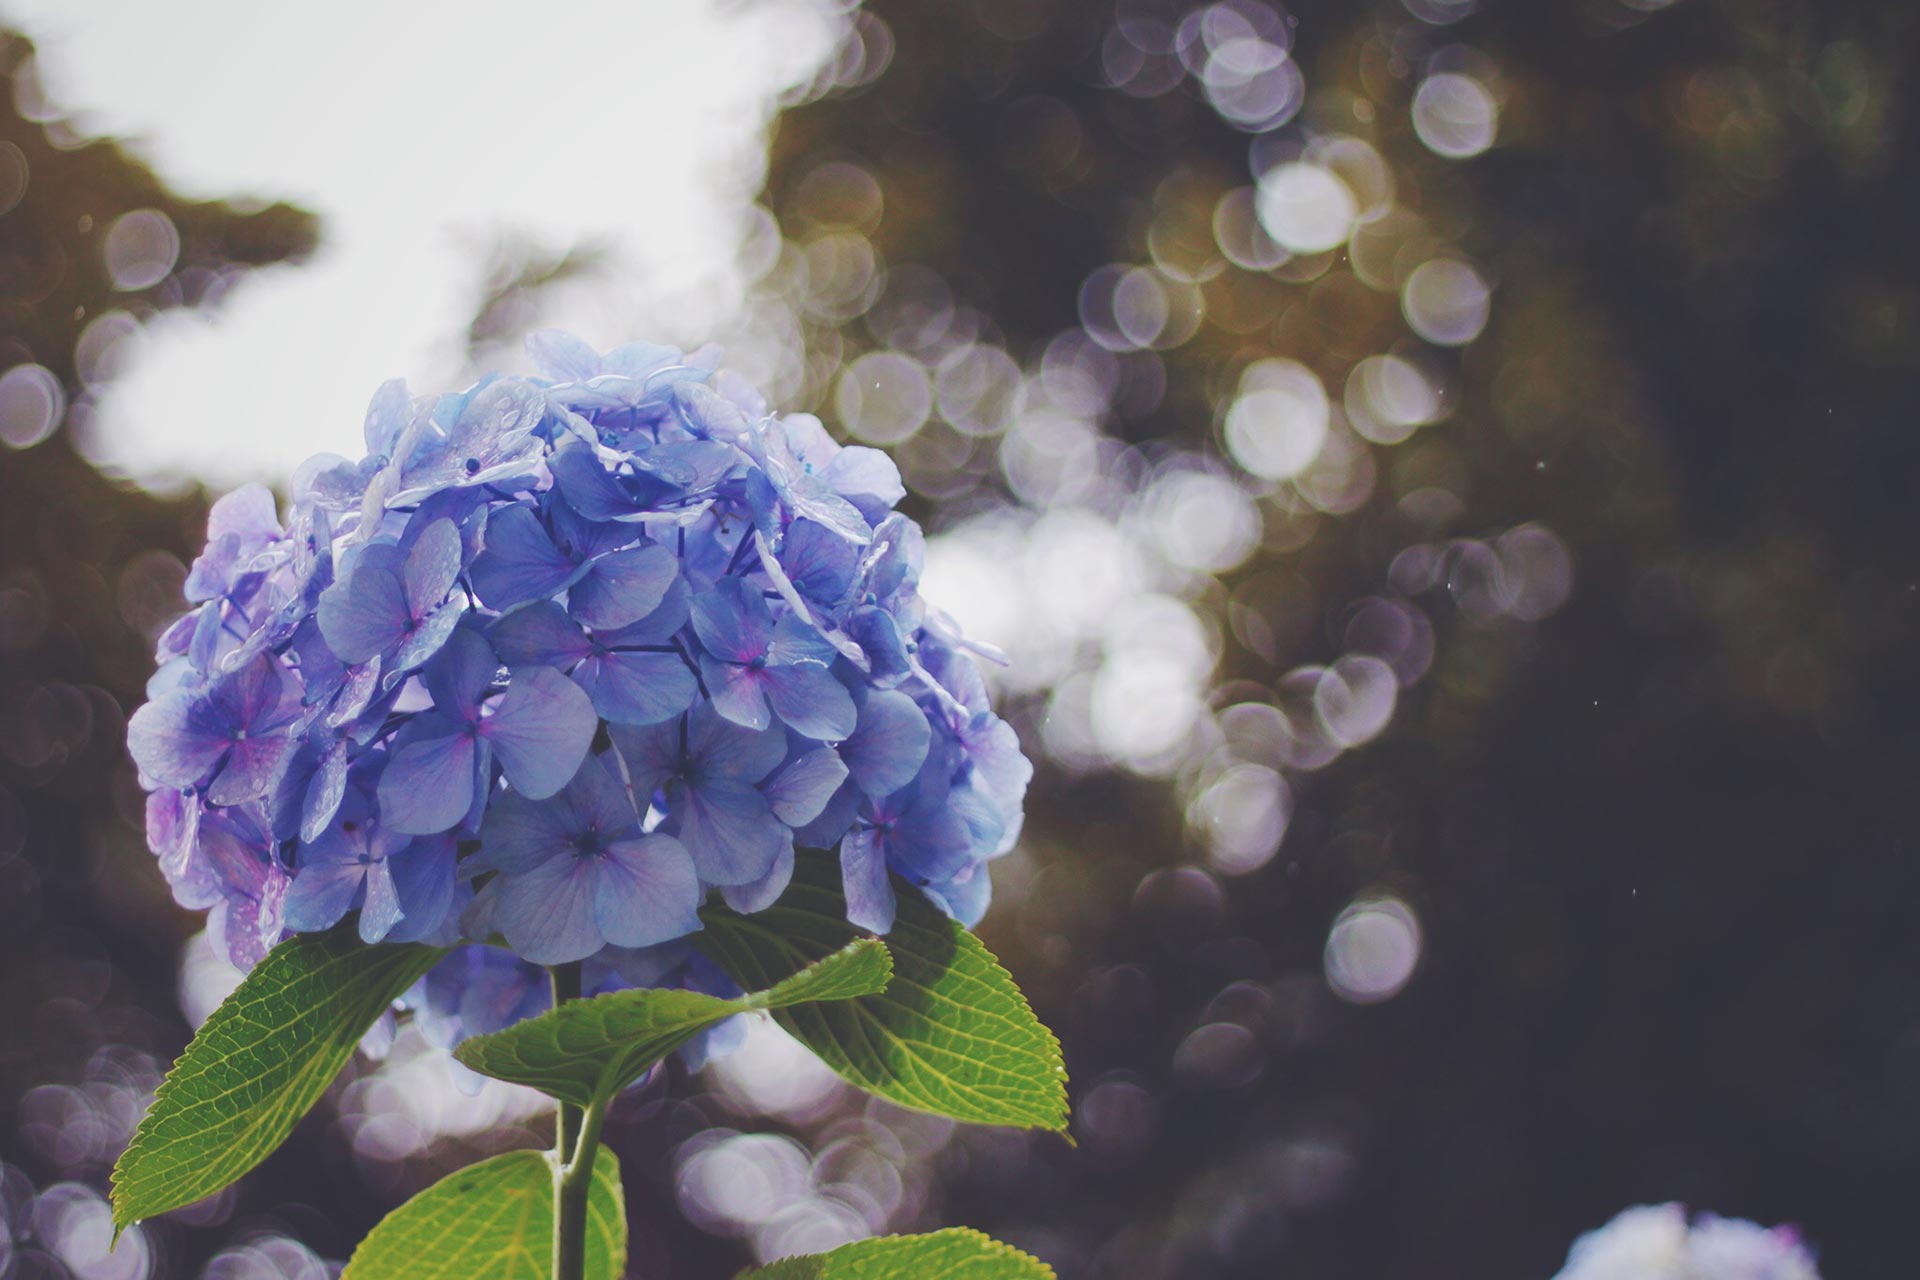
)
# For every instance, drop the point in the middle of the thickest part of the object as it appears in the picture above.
(802, 786)
(637, 688)
(365, 613)
(889, 744)
(807, 697)
(432, 566)
(428, 784)
(863, 876)
(728, 828)
(733, 621)
(520, 562)
(736, 691)
(764, 892)
(540, 634)
(177, 738)
(623, 587)
(546, 912)
(423, 880)
(647, 892)
(519, 834)
(540, 729)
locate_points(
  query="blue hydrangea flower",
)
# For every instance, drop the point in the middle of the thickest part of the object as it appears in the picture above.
(559, 658)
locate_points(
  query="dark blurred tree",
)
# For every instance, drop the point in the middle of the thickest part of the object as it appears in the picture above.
(1662, 846)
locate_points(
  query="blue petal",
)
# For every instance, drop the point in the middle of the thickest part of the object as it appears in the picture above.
(651, 752)
(519, 834)
(423, 880)
(432, 566)
(460, 674)
(546, 913)
(520, 562)
(559, 355)
(623, 587)
(966, 896)
(825, 831)
(540, 729)
(889, 744)
(365, 613)
(540, 634)
(324, 792)
(637, 688)
(322, 892)
(585, 485)
(866, 477)
(802, 787)
(863, 876)
(728, 828)
(795, 641)
(819, 562)
(381, 910)
(764, 892)
(428, 784)
(388, 414)
(647, 892)
(425, 639)
(930, 843)
(809, 698)
(725, 750)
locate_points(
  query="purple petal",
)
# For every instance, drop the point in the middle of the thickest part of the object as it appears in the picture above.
(428, 784)
(802, 787)
(540, 634)
(585, 484)
(247, 512)
(520, 562)
(807, 697)
(540, 730)
(546, 913)
(255, 696)
(637, 688)
(732, 621)
(728, 828)
(825, 831)
(598, 798)
(966, 896)
(764, 892)
(736, 691)
(324, 792)
(426, 639)
(863, 876)
(889, 743)
(647, 892)
(432, 566)
(930, 843)
(177, 738)
(623, 587)
(661, 625)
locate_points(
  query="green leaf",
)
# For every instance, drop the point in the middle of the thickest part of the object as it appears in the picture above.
(587, 1049)
(263, 1058)
(494, 1221)
(951, 1034)
(958, 1253)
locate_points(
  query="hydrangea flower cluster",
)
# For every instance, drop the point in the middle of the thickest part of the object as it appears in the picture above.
(560, 656)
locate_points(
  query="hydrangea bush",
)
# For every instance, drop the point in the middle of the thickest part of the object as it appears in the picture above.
(563, 667)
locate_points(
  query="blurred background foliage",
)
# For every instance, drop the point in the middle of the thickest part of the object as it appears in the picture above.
(1443, 475)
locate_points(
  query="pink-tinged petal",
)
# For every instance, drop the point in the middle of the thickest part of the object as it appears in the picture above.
(728, 828)
(863, 876)
(733, 621)
(811, 700)
(623, 587)
(177, 738)
(889, 743)
(800, 789)
(520, 562)
(764, 892)
(428, 784)
(647, 892)
(540, 730)
(546, 913)
(637, 688)
(736, 692)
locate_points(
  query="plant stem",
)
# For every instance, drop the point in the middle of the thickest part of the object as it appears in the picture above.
(576, 1135)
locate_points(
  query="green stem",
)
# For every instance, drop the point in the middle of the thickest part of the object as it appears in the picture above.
(576, 1134)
